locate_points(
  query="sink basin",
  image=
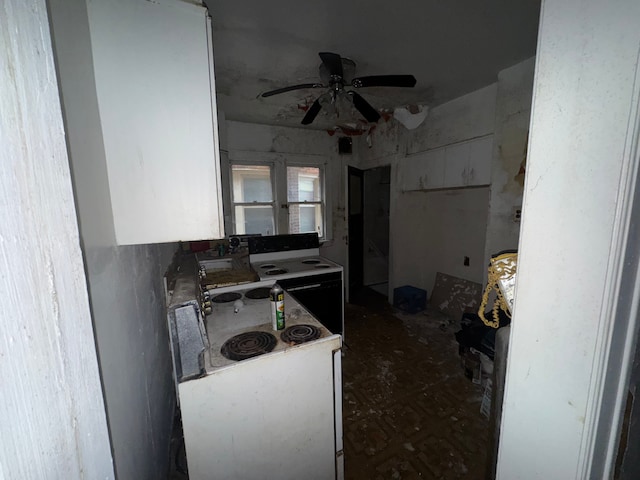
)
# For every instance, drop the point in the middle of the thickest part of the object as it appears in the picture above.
(222, 264)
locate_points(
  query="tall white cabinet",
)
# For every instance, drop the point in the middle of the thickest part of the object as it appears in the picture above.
(155, 92)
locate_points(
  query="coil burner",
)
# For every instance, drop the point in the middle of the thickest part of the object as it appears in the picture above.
(226, 297)
(247, 345)
(276, 271)
(300, 334)
(258, 293)
(311, 261)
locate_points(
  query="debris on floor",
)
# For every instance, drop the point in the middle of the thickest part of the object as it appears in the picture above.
(411, 414)
(408, 410)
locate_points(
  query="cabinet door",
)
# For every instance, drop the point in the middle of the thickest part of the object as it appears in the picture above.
(423, 171)
(480, 159)
(456, 170)
(154, 89)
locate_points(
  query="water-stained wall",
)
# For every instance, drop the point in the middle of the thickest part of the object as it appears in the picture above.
(264, 142)
(513, 111)
(435, 231)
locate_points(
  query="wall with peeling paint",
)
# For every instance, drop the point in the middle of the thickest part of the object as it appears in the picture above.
(466, 117)
(249, 137)
(628, 458)
(434, 231)
(125, 283)
(441, 228)
(512, 114)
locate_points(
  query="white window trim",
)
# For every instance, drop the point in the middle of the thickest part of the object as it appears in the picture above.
(279, 163)
(233, 204)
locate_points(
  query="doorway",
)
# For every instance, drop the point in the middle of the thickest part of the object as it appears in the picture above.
(369, 204)
(376, 206)
(356, 228)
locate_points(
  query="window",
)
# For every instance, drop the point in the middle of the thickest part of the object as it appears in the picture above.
(252, 199)
(305, 200)
(257, 189)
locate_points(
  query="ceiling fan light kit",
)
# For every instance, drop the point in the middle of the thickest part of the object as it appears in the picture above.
(337, 73)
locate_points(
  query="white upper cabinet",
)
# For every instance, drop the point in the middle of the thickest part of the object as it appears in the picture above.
(423, 170)
(463, 164)
(480, 159)
(456, 170)
(155, 89)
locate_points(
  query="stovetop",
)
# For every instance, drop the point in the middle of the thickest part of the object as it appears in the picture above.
(244, 314)
(294, 267)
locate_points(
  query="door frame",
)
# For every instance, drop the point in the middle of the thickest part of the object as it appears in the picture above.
(574, 328)
(350, 260)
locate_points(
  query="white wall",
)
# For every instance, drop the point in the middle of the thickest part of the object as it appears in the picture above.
(570, 302)
(512, 114)
(466, 117)
(440, 228)
(53, 420)
(125, 283)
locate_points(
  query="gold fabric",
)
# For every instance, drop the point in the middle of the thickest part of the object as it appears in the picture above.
(501, 267)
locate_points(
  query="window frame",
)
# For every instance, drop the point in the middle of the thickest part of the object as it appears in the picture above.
(321, 202)
(234, 204)
(278, 163)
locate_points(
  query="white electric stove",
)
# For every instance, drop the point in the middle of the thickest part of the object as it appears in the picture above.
(255, 403)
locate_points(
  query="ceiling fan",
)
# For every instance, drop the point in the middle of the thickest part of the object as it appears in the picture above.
(336, 73)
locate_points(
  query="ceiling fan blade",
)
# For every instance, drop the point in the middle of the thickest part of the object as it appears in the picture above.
(290, 88)
(312, 113)
(385, 81)
(370, 113)
(333, 62)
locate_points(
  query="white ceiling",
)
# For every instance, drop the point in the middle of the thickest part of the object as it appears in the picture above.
(452, 47)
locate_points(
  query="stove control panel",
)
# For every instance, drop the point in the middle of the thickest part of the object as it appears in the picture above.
(283, 243)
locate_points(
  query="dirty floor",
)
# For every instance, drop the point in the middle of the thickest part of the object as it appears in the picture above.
(409, 412)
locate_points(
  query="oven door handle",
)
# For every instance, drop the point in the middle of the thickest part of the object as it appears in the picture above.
(304, 287)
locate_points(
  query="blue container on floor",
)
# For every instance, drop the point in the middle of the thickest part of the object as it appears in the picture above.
(409, 299)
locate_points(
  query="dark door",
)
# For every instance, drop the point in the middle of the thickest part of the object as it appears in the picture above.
(356, 228)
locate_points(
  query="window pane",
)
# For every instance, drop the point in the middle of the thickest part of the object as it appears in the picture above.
(303, 184)
(305, 219)
(250, 219)
(251, 183)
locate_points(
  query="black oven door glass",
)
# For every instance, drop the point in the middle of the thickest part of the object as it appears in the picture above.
(321, 295)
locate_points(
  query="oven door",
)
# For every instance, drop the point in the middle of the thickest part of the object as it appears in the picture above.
(322, 295)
